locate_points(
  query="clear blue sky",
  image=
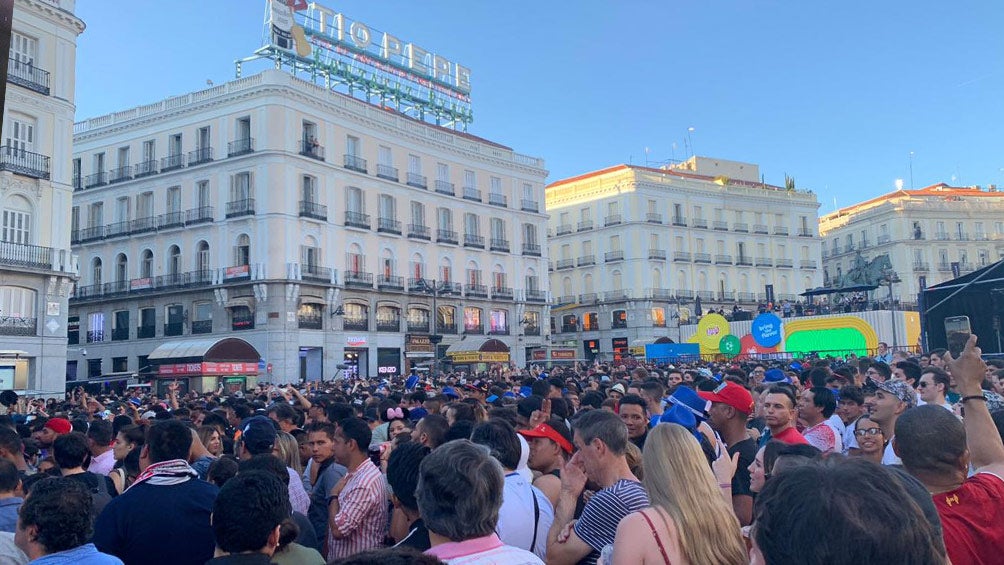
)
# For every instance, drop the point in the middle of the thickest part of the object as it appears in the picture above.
(836, 94)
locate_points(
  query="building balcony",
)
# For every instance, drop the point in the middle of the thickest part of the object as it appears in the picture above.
(239, 208)
(358, 279)
(142, 225)
(356, 324)
(120, 334)
(170, 220)
(563, 229)
(760, 229)
(612, 256)
(702, 257)
(723, 259)
(21, 256)
(498, 331)
(177, 328)
(418, 181)
(240, 147)
(91, 180)
(474, 240)
(679, 221)
(944, 266)
(120, 174)
(387, 172)
(700, 223)
(785, 263)
(960, 236)
(980, 236)
(393, 325)
(92, 234)
(681, 256)
(612, 220)
(357, 220)
(531, 249)
(78, 183)
(499, 245)
(531, 330)
(419, 327)
(502, 293)
(388, 225)
(499, 200)
(202, 327)
(614, 295)
(586, 260)
(28, 75)
(200, 156)
(657, 254)
(474, 329)
(445, 187)
(883, 239)
(447, 236)
(564, 264)
(741, 227)
(471, 193)
(967, 267)
(476, 291)
(808, 264)
(95, 336)
(419, 232)
(661, 293)
(172, 162)
(145, 169)
(653, 218)
(146, 332)
(921, 267)
(743, 261)
(720, 225)
(764, 262)
(352, 163)
(316, 273)
(569, 328)
(310, 322)
(529, 205)
(780, 230)
(534, 295)
(585, 225)
(313, 210)
(390, 282)
(201, 215)
(242, 322)
(805, 232)
(314, 150)
(443, 328)
(706, 294)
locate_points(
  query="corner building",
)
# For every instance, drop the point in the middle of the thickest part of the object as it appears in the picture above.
(37, 267)
(926, 233)
(328, 234)
(634, 248)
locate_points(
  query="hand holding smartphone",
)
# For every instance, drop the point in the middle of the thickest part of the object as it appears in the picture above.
(957, 332)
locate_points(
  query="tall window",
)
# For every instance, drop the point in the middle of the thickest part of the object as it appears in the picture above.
(414, 164)
(202, 195)
(352, 146)
(470, 179)
(442, 172)
(388, 207)
(96, 274)
(418, 213)
(471, 226)
(498, 229)
(174, 200)
(445, 219)
(23, 49)
(202, 257)
(240, 186)
(384, 156)
(144, 205)
(529, 234)
(496, 185)
(174, 260)
(354, 200)
(146, 265)
(121, 268)
(242, 252)
(309, 189)
(19, 135)
(17, 221)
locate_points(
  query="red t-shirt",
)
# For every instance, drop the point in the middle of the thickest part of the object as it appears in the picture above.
(790, 435)
(971, 518)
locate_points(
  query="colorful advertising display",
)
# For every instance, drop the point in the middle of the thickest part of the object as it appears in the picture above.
(357, 55)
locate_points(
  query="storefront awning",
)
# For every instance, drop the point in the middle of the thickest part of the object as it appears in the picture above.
(219, 349)
(478, 350)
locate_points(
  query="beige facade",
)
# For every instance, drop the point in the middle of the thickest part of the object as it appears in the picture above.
(923, 231)
(304, 222)
(37, 267)
(633, 245)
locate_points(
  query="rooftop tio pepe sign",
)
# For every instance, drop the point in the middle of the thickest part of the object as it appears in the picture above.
(377, 63)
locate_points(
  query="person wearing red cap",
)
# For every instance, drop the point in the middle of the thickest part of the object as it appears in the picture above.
(50, 430)
(550, 449)
(731, 405)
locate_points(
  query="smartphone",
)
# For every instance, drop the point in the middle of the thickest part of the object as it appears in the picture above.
(957, 331)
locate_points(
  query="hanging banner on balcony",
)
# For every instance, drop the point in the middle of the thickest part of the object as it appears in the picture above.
(237, 272)
(140, 284)
(320, 43)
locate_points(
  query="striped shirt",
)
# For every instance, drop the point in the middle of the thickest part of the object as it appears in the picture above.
(298, 497)
(598, 524)
(362, 513)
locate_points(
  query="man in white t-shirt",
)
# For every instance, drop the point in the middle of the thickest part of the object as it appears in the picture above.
(934, 384)
(850, 407)
(892, 399)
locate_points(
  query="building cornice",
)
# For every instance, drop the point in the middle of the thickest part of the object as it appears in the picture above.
(54, 14)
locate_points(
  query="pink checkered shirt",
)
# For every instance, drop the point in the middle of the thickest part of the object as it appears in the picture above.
(362, 513)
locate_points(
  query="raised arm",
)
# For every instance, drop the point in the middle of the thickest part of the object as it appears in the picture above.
(985, 446)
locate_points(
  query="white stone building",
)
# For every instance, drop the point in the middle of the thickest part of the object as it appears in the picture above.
(36, 265)
(923, 231)
(634, 247)
(304, 222)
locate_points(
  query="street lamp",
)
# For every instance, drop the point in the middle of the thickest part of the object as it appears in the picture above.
(435, 288)
(888, 279)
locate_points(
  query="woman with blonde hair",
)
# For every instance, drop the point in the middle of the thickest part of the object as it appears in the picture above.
(690, 520)
(288, 451)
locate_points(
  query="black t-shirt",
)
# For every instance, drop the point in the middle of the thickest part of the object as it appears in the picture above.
(747, 453)
(417, 538)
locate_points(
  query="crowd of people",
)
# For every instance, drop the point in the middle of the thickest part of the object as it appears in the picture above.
(886, 459)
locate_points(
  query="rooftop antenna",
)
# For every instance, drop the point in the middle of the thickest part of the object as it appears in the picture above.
(911, 170)
(690, 140)
(647, 162)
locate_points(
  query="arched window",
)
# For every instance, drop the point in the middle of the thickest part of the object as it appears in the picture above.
(446, 320)
(202, 257)
(96, 271)
(388, 318)
(418, 319)
(121, 268)
(146, 264)
(174, 260)
(242, 253)
(17, 221)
